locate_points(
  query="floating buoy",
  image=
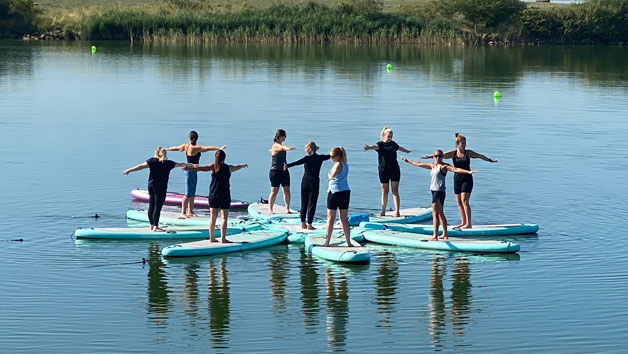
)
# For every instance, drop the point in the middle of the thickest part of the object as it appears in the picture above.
(497, 95)
(93, 49)
(389, 67)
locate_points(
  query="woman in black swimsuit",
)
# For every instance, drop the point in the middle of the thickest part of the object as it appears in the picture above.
(463, 183)
(310, 184)
(389, 171)
(219, 192)
(278, 176)
(157, 183)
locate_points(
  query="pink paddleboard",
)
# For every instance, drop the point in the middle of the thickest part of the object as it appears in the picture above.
(200, 201)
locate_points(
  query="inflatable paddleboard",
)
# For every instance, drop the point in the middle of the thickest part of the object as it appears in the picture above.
(297, 235)
(260, 211)
(408, 216)
(407, 239)
(337, 251)
(476, 231)
(200, 201)
(144, 233)
(241, 242)
(171, 218)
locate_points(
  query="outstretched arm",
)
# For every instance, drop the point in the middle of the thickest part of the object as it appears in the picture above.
(449, 154)
(300, 161)
(426, 165)
(402, 149)
(183, 164)
(136, 168)
(370, 147)
(206, 148)
(192, 167)
(475, 155)
(233, 168)
(459, 170)
(177, 148)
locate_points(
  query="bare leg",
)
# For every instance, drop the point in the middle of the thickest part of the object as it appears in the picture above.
(286, 198)
(462, 211)
(443, 221)
(384, 199)
(467, 210)
(435, 220)
(394, 186)
(184, 205)
(212, 224)
(272, 197)
(224, 214)
(331, 218)
(344, 220)
(191, 206)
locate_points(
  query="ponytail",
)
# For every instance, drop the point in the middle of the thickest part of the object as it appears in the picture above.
(344, 155)
(460, 137)
(193, 137)
(218, 160)
(279, 133)
(160, 154)
(340, 152)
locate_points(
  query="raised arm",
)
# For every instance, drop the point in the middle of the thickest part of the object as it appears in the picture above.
(192, 167)
(426, 165)
(136, 168)
(300, 161)
(183, 164)
(449, 154)
(335, 170)
(233, 168)
(475, 155)
(370, 147)
(402, 149)
(459, 170)
(206, 148)
(177, 148)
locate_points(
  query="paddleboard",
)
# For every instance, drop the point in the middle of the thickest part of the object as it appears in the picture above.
(171, 218)
(408, 216)
(241, 242)
(476, 231)
(260, 211)
(337, 251)
(297, 235)
(201, 201)
(407, 239)
(144, 233)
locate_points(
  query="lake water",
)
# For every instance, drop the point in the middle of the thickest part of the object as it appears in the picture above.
(71, 122)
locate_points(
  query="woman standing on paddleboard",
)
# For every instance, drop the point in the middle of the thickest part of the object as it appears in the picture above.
(438, 171)
(193, 155)
(219, 192)
(310, 184)
(278, 176)
(389, 171)
(157, 183)
(463, 183)
(338, 194)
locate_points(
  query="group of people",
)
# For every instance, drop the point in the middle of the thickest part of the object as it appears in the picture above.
(338, 195)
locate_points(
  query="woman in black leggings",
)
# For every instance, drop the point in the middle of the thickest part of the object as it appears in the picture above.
(157, 183)
(310, 183)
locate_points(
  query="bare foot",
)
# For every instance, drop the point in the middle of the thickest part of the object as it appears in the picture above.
(224, 240)
(325, 245)
(433, 239)
(192, 215)
(310, 227)
(466, 227)
(270, 211)
(382, 214)
(458, 226)
(303, 226)
(349, 244)
(213, 240)
(182, 216)
(158, 229)
(444, 238)
(397, 215)
(289, 211)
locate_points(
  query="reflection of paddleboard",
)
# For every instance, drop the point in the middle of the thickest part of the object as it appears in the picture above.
(241, 242)
(337, 250)
(200, 201)
(408, 239)
(477, 230)
(258, 210)
(170, 218)
(408, 216)
(144, 233)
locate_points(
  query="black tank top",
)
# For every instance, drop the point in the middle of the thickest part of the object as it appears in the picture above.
(219, 185)
(278, 160)
(195, 159)
(462, 162)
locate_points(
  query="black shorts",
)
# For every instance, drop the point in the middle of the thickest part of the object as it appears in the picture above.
(221, 202)
(438, 196)
(279, 178)
(463, 183)
(392, 174)
(338, 200)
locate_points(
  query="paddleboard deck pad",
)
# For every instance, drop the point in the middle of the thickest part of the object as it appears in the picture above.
(240, 242)
(338, 250)
(201, 201)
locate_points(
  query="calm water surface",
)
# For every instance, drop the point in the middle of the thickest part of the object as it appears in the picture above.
(70, 122)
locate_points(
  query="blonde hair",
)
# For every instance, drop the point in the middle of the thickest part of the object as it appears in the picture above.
(160, 153)
(312, 146)
(460, 137)
(339, 150)
(384, 132)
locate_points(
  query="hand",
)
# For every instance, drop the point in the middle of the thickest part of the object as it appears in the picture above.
(285, 166)
(222, 147)
(245, 166)
(425, 157)
(403, 158)
(472, 172)
(291, 148)
(125, 172)
(365, 148)
(409, 151)
(492, 161)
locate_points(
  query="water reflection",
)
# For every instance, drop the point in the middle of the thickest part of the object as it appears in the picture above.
(387, 282)
(190, 290)
(158, 292)
(337, 309)
(309, 291)
(460, 295)
(436, 304)
(218, 303)
(278, 264)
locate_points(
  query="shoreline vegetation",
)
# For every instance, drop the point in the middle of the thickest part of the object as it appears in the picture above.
(450, 22)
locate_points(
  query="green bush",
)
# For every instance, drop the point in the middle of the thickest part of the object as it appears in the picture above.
(483, 12)
(17, 17)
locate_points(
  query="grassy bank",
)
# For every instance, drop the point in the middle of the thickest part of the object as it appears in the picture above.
(362, 21)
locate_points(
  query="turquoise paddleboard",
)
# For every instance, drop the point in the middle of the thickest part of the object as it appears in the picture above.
(144, 233)
(171, 218)
(337, 251)
(407, 239)
(297, 235)
(408, 216)
(260, 211)
(476, 231)
(241, 242)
